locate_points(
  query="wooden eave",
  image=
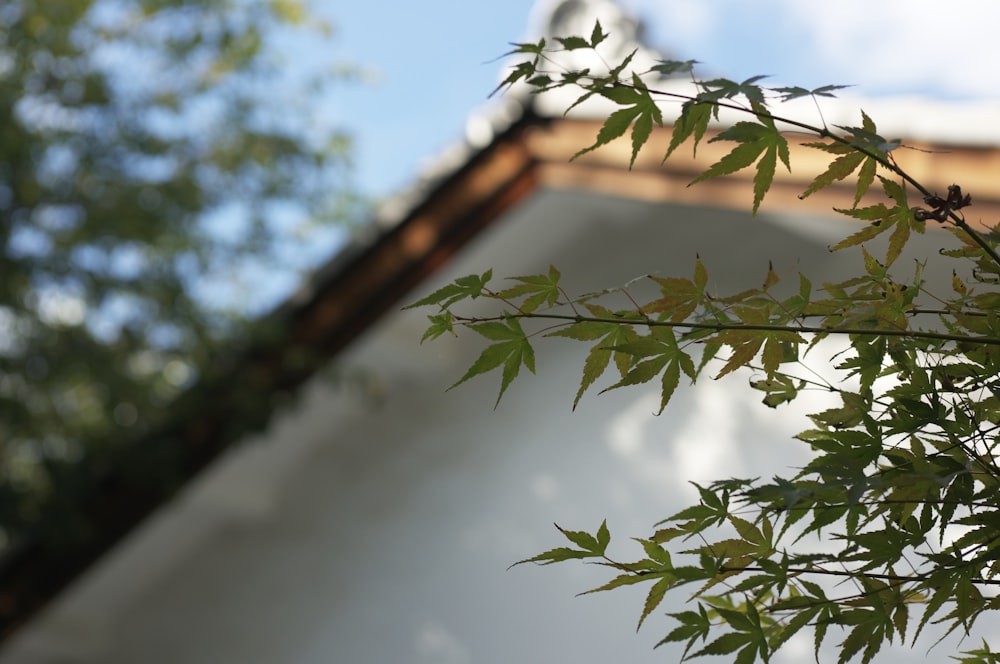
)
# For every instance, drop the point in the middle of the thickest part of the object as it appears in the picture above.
(605, 170)
(369, 279)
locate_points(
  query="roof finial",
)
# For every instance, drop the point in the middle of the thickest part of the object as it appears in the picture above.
(577, 17)
(563, 18)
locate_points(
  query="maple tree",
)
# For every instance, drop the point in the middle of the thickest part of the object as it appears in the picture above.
(903, 478)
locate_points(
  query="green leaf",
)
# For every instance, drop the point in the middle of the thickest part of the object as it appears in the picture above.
(597, 35)
(557, 555)
(534, 48)
(764, 177)
(468, 287)
(898, 218)
(512, 351)
(737, 620)
(656, 553)
(620, 581)
(866, 137)
(616, 125)
(582, 539)
(680, 297)
(536, 289)
(866, 176)
(672, 67)
(640, 134)
(618, 69)
(590, 547)
(621, 94)
(746, 343)
(440, 324)
(868, 634)
(603, 536)
(654, 597)
(693, 121)
(643, 111)
(788, 94)
(573, 43)
(747, 530)
(794, 625)
(522, 71)
(655, 354)
(725, 644)
(722, 88)
(608, 335)
(778, 389)
(838, 169)
(694, 626)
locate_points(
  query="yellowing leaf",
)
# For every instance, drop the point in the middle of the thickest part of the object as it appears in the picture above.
(756, 140)
(883, 218)
(838, 169)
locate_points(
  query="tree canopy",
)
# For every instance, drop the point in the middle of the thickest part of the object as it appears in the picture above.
(158, 166)
(890, 530)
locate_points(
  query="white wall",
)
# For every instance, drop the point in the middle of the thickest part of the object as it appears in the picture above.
(356, 532)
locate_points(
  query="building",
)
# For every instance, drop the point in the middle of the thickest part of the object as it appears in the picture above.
(377, 524)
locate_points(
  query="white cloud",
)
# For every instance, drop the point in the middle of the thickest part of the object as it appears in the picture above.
(894, 46)
(903, 43)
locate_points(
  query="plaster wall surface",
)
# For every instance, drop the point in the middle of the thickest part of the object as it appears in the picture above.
(377, 525)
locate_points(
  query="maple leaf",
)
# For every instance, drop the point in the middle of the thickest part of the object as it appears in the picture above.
(656, 354)
(795, 92)
(693, 121)
(467, 287)
(755, 140)
(722, 88)
(608, 335)
(680, 297)
(511, 350)
(899, 218)
(672, 67)
(850, 159)
(536, 289)
(641, 113)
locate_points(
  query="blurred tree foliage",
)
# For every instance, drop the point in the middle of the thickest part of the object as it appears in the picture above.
(153, 154)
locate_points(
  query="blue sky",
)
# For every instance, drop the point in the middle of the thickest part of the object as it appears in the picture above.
(429, 70)
(430, 60)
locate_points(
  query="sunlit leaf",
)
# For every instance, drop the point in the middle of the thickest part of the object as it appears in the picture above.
(755, 140)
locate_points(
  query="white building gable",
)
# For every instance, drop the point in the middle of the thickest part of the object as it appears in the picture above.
(378, 527)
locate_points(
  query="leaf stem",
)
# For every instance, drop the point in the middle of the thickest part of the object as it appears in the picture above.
(757, 327)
